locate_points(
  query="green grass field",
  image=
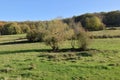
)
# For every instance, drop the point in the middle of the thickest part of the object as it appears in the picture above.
(32, 61)
(105, 34)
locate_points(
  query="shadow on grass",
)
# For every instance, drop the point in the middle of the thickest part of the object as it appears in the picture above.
(39, 50)
(15, 42)
(25, 51)
(50, 50)
(33, 50)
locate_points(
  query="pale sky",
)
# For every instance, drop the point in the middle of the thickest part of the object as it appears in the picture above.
(21, 10)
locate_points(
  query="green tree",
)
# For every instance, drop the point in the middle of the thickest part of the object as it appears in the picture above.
(93, 23)
(11, 28)
(32, 35)
(1, 26)
(37, 34)
(80, 37)
(25, 28)
(112, 19)
(56, 33)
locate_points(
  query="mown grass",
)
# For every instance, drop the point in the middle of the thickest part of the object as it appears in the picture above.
(33, 61)
(106, 44)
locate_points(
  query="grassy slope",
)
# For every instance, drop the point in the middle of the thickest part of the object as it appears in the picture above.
(17, 59)
(105, 33)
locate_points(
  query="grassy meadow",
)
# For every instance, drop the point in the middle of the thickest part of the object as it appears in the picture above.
(33, 61)
(105, 34)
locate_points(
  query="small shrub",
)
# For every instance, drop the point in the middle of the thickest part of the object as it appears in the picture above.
(93, 23)
(25, 28)
(11, 28)
(83, 39)
(56, 33)
(32, 35)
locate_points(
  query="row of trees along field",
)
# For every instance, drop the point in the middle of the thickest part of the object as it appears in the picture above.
(90, 21)
(55, 32)
(8, 28)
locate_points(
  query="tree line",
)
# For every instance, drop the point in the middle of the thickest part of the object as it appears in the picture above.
(55, 32)
(90, 21)
(108, 19)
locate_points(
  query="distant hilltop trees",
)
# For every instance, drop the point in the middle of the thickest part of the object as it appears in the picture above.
(109, 19)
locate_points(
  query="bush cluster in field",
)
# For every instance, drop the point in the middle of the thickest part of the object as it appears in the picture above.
(56, 32)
